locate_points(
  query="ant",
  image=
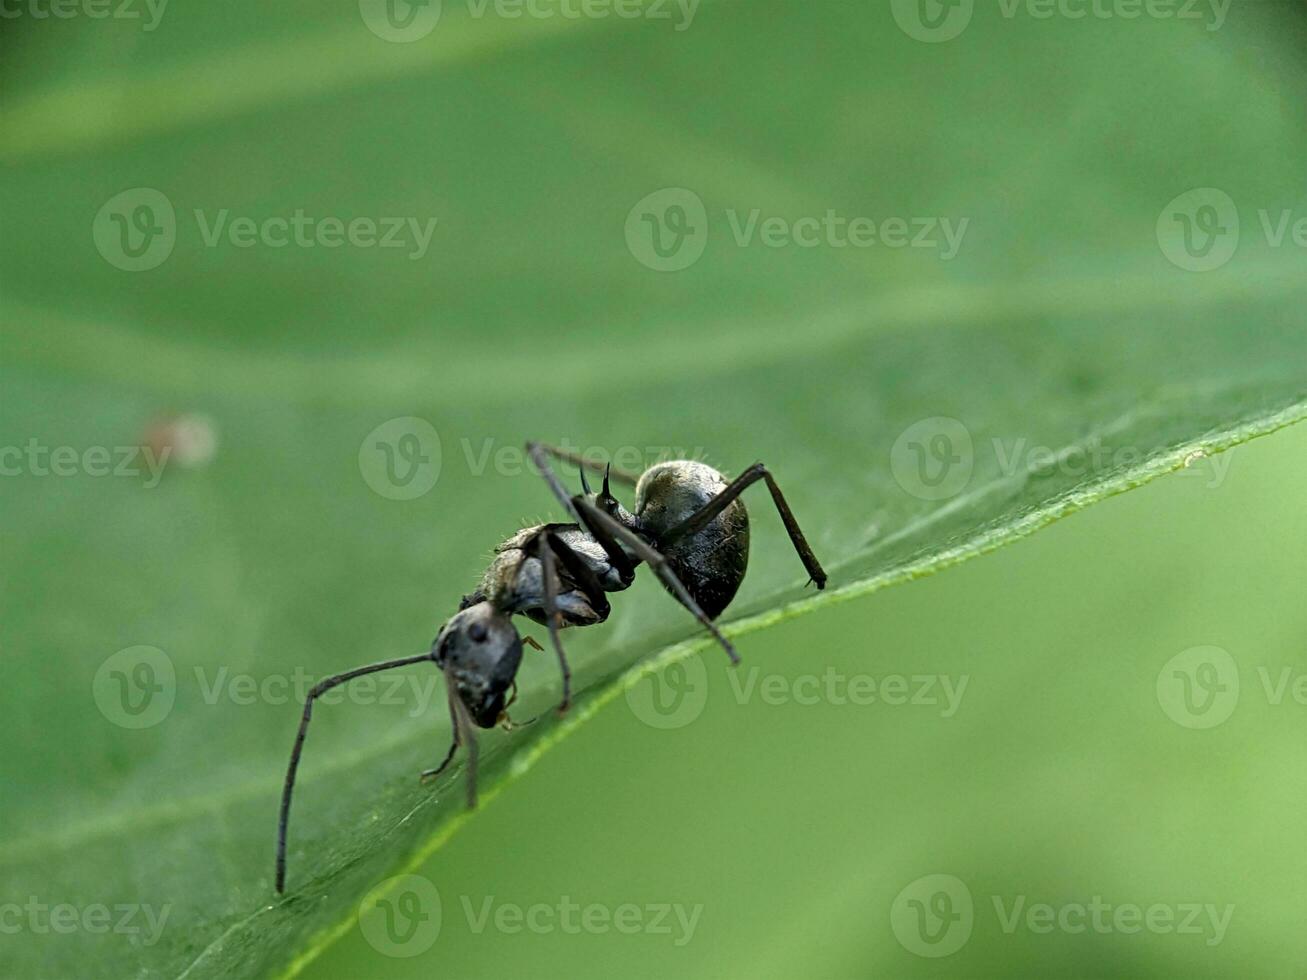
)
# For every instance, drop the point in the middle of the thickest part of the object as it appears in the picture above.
(689, 527)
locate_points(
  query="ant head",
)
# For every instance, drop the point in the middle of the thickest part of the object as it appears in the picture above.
(479, 650)
(605, 501)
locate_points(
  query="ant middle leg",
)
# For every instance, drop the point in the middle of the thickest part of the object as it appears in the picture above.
(698, 521)
(544, 548)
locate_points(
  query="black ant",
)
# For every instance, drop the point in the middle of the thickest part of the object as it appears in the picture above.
(689, 526)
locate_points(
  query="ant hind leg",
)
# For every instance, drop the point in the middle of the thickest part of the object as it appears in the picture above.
(699, 520)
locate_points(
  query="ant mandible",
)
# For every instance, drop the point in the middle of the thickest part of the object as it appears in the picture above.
(689, 527)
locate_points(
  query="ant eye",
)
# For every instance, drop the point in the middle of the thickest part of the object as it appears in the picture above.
(478, 632)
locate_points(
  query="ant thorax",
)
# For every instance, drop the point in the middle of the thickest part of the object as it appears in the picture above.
(515, 580)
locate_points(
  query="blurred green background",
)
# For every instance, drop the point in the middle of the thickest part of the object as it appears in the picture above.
(1129, 280)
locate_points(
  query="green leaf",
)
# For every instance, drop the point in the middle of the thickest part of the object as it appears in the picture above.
(1065, 349)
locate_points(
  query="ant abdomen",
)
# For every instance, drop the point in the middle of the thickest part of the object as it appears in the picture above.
(710, 560)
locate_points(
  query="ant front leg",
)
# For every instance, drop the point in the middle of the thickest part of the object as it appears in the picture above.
(464, 732)
(428, 774)
(658, 563)
(698, 521)
(288, 788)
